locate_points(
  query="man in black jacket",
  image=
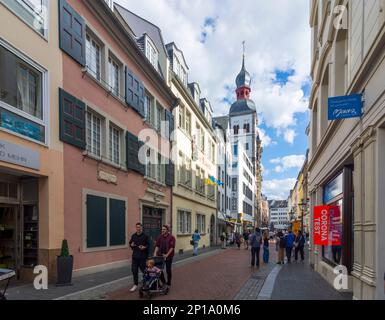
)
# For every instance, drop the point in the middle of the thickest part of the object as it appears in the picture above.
(139, 244)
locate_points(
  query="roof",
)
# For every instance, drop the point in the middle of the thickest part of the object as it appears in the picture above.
(242, 106)
(243, 78)
(222, 121)
(141, 26)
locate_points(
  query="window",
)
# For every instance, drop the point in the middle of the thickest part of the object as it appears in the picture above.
(234, 204)
(236, 129)
(234, 184)
(199, 179)
(94, 134)
(105, 222)
(155, 167)
(201, 223)
(22, 92)
(184, 222)
(114, 75)
(115, 135)
(246, 128)
(235, 148)
(32, 12)
(152, 54)
(181, 117)
(188, 122)
(159, 117)
(247, 146)
(93, 57)
(202, 143)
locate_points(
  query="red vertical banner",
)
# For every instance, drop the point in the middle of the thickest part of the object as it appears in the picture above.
(321, 225)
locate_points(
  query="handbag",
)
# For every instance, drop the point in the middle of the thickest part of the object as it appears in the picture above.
(192, 242)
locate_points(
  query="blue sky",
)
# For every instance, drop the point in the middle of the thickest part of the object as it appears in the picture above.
(211, 32)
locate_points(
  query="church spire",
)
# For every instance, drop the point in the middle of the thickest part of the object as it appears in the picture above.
(243, 80)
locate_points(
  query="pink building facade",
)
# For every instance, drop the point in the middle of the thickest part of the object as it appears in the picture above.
(112, 101)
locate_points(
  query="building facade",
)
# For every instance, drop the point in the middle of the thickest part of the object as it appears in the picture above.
(224, 165)
(278, 213)
(113, 102)
(195, 145)
(346, 157)
(31, 153)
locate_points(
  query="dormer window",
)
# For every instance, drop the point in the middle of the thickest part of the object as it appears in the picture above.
(152, 53)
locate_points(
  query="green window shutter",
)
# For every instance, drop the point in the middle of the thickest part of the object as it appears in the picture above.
(135, 92)
(96, 221)
(72, 36)
(72, 120)
(133, 146)
(117, 222)
(170, 173)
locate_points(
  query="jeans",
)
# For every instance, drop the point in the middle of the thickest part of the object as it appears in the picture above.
(135, 266)
(255, 252)
(195, 248)
(265, 254)
(300, 249)
(288, 253)
(168, 270)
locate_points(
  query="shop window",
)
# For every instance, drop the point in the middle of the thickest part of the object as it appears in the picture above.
(22, 95)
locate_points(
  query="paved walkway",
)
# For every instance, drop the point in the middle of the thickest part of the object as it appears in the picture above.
(298, 281)
(91, 286)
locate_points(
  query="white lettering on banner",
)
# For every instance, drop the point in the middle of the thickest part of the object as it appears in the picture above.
(340, 112)
(324, 225)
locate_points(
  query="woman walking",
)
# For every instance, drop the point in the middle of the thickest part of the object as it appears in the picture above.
(281, 247)
(195, 241)
(265, 247)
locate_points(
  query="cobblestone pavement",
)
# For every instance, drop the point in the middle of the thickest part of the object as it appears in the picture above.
(222, 276)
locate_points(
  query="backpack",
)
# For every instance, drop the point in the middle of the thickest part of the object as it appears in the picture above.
(282, 242)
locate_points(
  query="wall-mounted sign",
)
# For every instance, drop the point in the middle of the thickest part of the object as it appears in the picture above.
(108, 177)
(22, 156)
(327, 226)
(20, 125)
(345, 107)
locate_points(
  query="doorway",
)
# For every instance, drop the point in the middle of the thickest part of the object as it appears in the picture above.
(9, 242)
(152, 225)
(212, 231)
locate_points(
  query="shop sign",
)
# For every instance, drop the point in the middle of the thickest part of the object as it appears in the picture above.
(345, 107)
(22, 156)
(327, 226)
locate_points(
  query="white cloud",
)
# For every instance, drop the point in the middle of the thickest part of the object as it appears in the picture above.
(266, 140)
(278, 189)
(288, 162)
(215, 63)
(289, 135)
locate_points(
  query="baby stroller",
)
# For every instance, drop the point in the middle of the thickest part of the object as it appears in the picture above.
(154, 285)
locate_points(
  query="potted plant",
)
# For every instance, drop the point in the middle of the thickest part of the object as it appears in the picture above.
(65, 264)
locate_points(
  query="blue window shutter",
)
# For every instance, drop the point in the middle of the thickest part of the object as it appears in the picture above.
(96, 221)
(135, 92)
(72, 122)
(72, 29)
(170, 174)
(133, 146)
(117, 222)
(170, 120)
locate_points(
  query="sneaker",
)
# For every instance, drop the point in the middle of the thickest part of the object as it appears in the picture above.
(134, 288)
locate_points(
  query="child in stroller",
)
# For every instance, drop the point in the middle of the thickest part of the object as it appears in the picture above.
(153, 278)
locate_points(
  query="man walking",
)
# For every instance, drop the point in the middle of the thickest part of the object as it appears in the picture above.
(289, 245)
(165, 245)
(139, 244)
(246, 235)
(255, 241)
(299, 246)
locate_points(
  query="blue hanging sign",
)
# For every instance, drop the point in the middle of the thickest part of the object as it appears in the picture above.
(345, 107)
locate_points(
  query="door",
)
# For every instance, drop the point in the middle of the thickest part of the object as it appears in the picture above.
(152, 225)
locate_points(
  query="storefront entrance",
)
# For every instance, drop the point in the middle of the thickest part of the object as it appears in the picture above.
(152, 224)
(18, 223)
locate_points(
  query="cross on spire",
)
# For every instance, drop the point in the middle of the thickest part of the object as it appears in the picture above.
(243, 61)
